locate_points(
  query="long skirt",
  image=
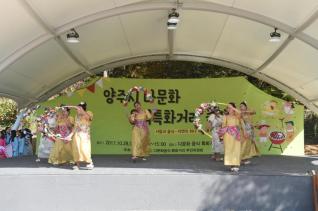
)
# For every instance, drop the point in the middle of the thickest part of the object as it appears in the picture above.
(248, 145)
(232, 150)
(81, 147)
(28, 149)
(217, 144)
(45, 147)
(248, 149)
(9, 150)
(3, 152)
(140, 142)
(61, 153)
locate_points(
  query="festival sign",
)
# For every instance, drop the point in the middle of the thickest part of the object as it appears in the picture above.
(278, 125)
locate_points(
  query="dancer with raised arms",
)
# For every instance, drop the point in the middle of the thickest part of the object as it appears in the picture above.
(62, 150)
(81, 143)
(231, 132)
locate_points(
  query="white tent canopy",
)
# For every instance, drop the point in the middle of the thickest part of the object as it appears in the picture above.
(37, 62)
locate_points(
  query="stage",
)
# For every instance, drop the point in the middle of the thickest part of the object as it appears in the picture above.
(190, 182)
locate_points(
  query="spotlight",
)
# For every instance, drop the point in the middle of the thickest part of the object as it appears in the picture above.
(173, 17)
(105, 74)
(72, 36)
(172, 26)
(274, 36)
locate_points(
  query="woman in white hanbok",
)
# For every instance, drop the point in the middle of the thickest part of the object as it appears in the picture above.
(46, 142)
(214, 124)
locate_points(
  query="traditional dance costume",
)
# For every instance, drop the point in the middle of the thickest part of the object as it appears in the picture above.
(3, 148)
(62, 150)
(231, 139)
(140, 136)
(248, 146)
(15, 146)
(81, 145)
(46, 142)
(216, 124)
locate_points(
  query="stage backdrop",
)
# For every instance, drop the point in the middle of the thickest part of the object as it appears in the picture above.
(172, 131)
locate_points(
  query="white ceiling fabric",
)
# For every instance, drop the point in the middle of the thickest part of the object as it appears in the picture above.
(37, 62)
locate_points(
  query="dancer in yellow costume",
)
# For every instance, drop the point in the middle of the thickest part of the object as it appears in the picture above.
(140, 137)
(62, 150)
(81, 143)
(231, 131)
(248, 145)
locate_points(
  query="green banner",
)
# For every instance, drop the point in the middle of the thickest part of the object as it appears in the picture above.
(172, 131)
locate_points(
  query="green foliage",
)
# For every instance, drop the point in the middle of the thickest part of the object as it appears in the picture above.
(76, 86)
(183, 69)
(8, 112)
(311, 127)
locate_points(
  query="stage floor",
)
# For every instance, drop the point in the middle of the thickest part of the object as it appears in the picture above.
(165, 164)
(161, 183)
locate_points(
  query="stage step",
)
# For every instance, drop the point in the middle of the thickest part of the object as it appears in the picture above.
(161, 183)
(155, 192)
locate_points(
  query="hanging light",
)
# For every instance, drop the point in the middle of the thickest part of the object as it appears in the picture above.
(274, 36)
(172, 26)
(173, 17)
(72, 36)
(105, 74)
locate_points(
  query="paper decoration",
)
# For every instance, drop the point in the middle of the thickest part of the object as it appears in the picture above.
(91, 88)
(100, 83)
(81, 92)
(69, 94)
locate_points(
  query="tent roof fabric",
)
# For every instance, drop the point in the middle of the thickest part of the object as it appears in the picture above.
(36, 62)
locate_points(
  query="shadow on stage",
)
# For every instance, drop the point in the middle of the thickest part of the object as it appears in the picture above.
(201, 164)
